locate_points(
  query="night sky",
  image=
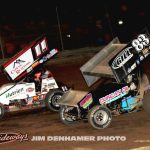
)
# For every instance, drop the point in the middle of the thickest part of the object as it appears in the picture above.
(35, 9)
(81, 16)
(26, 10)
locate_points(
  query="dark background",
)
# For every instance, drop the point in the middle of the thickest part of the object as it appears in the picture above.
(82, 23)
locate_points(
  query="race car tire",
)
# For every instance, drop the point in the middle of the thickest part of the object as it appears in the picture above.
(65, 117)
(99, 117)
(146, 102)
(2, 111)
(52, 98)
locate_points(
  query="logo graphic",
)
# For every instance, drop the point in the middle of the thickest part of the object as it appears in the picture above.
(11, 137)
(86, 101)
(122, 58)
(30, 89)
(18, 61)
(14, 93)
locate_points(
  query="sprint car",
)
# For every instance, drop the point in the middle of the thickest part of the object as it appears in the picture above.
(127, 92)
(31, 84)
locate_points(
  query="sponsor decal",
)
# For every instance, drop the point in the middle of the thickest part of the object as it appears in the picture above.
(30, 89)
(18, 61)
(48, 83)
(35, 64)
(145, 51)
(19, 68)
(53, 52)
(129, 103)
(17, 91)
(122, 58)
(114, 96)
(86, 101)
(19, 65)
(41, 61)
(29, 69)
(51, 84)
(11, 137)
(49, 55)
(132, 67)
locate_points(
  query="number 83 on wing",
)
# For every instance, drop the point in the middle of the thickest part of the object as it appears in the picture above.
(141, 42)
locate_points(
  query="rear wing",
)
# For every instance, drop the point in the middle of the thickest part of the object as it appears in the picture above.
(28, 58)
(98, 66)
(131, 56)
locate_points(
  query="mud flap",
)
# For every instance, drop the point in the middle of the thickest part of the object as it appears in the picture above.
(72, 97)
(143, 84)
(144, 93)
(142, 88)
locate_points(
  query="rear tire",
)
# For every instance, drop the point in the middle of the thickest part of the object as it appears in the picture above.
(146, 102)
(2, 111)
(99, 117)
(51, 99)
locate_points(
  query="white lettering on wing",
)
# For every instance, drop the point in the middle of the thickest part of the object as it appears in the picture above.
(122, 58)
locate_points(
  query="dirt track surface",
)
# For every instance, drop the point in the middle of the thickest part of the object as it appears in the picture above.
(135, 126)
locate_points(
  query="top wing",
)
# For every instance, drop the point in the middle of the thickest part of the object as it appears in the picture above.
(28, 58)
(98, 66)
(131, 56)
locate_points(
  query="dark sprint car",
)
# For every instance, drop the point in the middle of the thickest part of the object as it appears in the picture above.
(127, 94)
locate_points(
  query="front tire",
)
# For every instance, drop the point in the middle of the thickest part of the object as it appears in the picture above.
(52, 98)
(99, 117)
(2, 111)
(146, 102)
(66, 116)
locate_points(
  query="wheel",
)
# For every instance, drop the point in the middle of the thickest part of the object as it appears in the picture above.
(68, 115)
(146, 102)
(52, 98)
(99, 117)
(2, 111)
